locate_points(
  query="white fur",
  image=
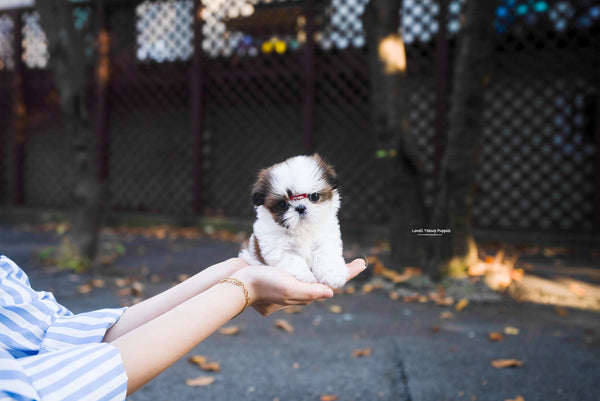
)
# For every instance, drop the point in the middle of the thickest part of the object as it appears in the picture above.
(310, 246)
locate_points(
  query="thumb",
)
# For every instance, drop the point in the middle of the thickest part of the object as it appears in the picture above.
(314, 291)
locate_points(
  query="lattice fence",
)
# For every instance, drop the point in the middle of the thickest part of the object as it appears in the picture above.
(260, 90)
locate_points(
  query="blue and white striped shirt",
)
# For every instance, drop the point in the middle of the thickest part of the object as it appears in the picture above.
(47, 352)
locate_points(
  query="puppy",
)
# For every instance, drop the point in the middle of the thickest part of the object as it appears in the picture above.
(296, 227)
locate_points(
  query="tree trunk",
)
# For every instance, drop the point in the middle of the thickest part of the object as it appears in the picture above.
(67, 62)
(453, 253)
(389, 117)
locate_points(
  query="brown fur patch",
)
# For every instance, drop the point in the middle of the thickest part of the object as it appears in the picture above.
(258, 252)
(329, 174)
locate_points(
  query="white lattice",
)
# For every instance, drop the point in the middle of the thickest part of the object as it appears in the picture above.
(164, 30)
(35, 46)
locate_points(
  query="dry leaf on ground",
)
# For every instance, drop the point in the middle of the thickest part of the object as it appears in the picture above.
(576, 289)
(446, 315)
(361, 352)
(229, 330)
(329, 397)
(122, 282)
(98, 283)
(211, 366)
(506, 363)
(366, 288)
(84, 289)
(335, 309)
(511, 331)
(197, 359)
(462, 304)
(200, 381)
(519, 398)
(284, 325)
(494, 336)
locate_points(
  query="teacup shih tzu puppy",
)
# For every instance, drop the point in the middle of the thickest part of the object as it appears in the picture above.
(296, 227)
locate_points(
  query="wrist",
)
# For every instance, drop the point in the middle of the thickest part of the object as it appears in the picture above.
(247, 278)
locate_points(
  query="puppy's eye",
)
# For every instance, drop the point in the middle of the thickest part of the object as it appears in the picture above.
(282, 205)
(314, 197)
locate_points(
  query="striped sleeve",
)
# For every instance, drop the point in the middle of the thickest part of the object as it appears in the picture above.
(47, 352)
(92, 372)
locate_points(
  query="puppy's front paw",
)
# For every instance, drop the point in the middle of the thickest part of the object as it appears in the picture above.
(335, 278)
(302, 273)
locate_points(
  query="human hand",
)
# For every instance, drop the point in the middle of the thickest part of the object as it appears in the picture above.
(271, 289)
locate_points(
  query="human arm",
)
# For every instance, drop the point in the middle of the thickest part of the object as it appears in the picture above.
(152, 347)
(151, 308)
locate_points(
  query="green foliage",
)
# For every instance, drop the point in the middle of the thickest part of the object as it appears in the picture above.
(65, 257)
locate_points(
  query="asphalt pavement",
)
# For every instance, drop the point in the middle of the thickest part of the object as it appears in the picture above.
(359, 346)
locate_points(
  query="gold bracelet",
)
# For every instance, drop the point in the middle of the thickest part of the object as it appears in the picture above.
(238, 283)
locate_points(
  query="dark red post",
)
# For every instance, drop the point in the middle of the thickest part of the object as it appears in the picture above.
(102, 78)
(19, 114)
(309, 79)
(441, 85)
(597, 189)
(197, 105)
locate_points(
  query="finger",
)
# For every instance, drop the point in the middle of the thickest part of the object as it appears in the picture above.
(304, 293)
(355, 267)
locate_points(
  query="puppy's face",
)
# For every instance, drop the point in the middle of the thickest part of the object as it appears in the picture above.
(301, 190)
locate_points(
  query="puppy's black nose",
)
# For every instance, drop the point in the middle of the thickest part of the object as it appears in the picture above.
(301, 209)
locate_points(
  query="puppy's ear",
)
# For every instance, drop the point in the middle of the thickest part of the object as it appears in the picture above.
(329, 174)
(261, 188)
(258, 198)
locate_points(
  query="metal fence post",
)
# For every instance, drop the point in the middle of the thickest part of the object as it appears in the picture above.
(197, 72)
(309, 79)
(597, 122)
(441, 85)
(101, 83)
(19, 113)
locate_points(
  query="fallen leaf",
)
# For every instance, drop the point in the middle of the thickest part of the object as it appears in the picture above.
(335, 309)
(511, 331)
(211, 366)
(519, 398)
(329, 397)
(506, 363)
(494, 336)
(84, 289)
(367, 288)
(123, 292)
(478, 269)
(182, 277)
(229, 330)
(200, 381)
(435, 329)
(284, 325)
(350, 289)
(98, 283)
(576, 289)
(561, 311)
(122, 282)
(462, 304)
(361, 352)
(137, 288)
(394, 295)
(411, 298)
(197, 359)
(446, 315)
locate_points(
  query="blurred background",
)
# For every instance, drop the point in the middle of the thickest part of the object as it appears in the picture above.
(169, 108)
